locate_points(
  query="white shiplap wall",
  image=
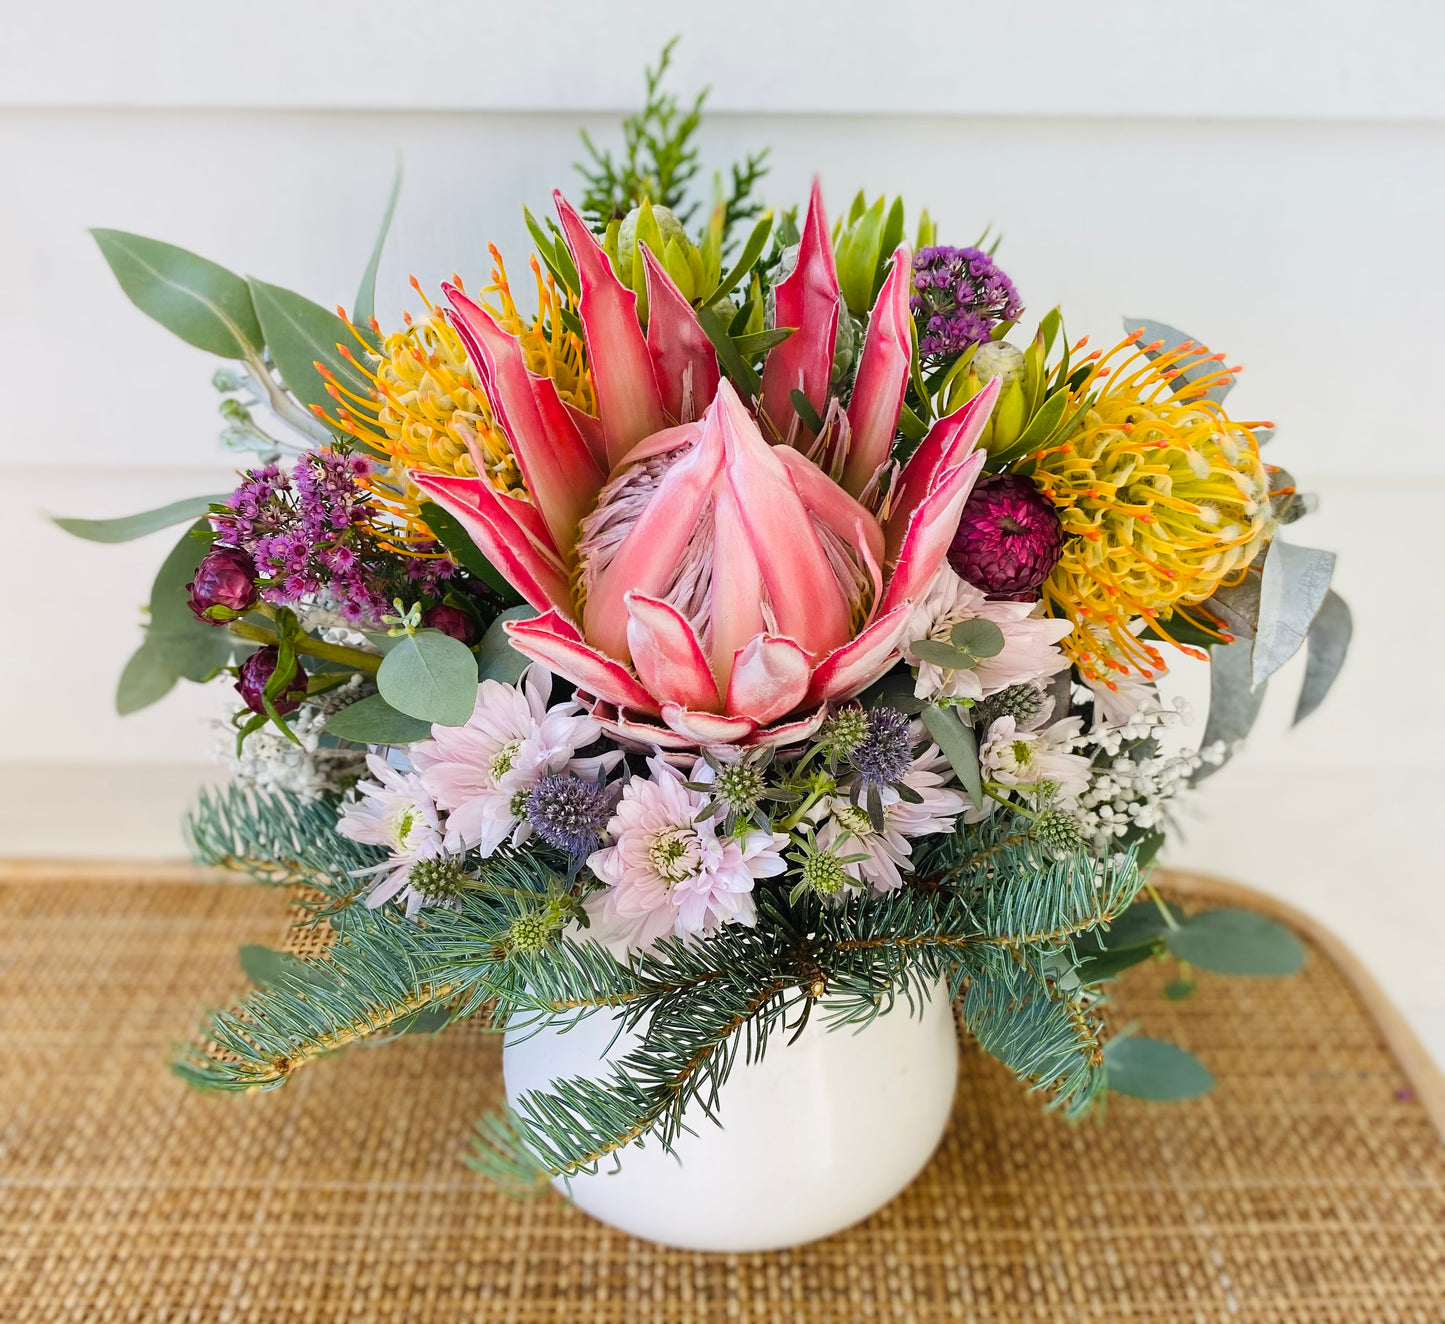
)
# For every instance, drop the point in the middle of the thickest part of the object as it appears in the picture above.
(1270, 176)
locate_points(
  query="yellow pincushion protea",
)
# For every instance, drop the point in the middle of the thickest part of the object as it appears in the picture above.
(428, 412)
(1163, 499)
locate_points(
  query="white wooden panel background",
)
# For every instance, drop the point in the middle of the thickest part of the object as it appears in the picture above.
(1270, 176)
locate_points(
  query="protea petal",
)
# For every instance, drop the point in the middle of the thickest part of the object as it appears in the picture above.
(882, 376)
(634, 728)
(683, 359)
(508, 533)
(806, 599)
(737, 586)
(591, 432)
(667, 656)
(769, 678)
(808, 300)
(859, 662)
(849, 519)
(627, 399)
(930, 531)
(706, 728)
(553, 641)
(789, 733)
(653, 546)
(561, 474)
(948, 442)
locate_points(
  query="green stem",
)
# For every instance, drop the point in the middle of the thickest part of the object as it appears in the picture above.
(304, 643)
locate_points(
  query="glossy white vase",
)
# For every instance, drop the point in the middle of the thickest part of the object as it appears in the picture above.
(816, 1136)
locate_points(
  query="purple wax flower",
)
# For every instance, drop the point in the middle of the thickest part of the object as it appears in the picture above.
(256, 670)
(451, 620)
(1009, 538)
(959, 296)
(226, 578)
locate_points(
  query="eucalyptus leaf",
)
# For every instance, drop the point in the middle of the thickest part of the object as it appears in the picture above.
(192, 648)
(373, 721)
(300, 334)
(431, 676)
(265, 967)
(982, 639)
(1329, 641)
(201, 302)
(1146, 1068)
(1292, 589)
(1173, 338)
(147, 678)
(959, 747)
(365, 308)
(125, 528)
(496, 658)
(1234, 702)
(1237, 606)
(1237, 942)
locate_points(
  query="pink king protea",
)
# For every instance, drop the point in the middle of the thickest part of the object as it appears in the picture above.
(706, 570)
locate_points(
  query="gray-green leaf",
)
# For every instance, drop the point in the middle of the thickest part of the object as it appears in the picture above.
(300, 334)
(147, 678)
(1329, 641)
(265, 966)
(128, 527)
(430, 676)
(1173, 338)
(1292, 589)
(1146, 1068)
(982, 639)
(373, 721)
(496, 658)
(959, 747)
(1233, 702)
(1237, 942)
(365, 308)
(201, 302)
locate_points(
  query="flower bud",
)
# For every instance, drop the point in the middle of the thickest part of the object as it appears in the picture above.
(451, 620)
(254, 673)
(224, 586)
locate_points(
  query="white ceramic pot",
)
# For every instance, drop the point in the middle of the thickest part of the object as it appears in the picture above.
(819, 1134)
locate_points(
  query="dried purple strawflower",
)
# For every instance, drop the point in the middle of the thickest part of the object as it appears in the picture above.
(453, 621)
(225, 579)
(959, 296)
(254, 673)
(570, 813)
(886, 751)
(1008, 539)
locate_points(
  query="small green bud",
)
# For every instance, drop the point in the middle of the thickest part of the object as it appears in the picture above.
(739, 786)
(822, 872)
(845, 730)
(439, 880)
(668, 226)
(533, 931)
(1057, 830)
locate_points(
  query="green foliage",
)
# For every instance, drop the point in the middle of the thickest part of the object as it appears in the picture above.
(659, 160)
(365, 308)
(146, 679)
(204, 304)
(303, 337)
(1154, 1069)
(188, 647)
(430, 676)
(496, 658)
(449, 532)
(992, 919)
(1236, 942)
(373, 721)
(128, 527)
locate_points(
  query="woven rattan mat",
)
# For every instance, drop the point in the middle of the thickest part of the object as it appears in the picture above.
(1309, 1188)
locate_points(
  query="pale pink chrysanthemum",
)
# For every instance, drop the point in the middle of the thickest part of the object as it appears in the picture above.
(481, 773)
(1013, 757)
(671, 870)
(395, 812)
(846, 829)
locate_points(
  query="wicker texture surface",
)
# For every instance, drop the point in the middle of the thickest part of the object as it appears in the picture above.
(1309, 1188)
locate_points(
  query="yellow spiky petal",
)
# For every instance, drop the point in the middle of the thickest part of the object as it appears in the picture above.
(428, 412)
(1163, 499)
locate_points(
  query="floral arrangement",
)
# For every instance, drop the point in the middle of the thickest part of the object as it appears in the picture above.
(764, 626)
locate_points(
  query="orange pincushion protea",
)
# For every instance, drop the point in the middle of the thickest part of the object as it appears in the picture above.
(429, 413)
(1163, 499)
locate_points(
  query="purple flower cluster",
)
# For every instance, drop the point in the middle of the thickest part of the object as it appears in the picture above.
(313, 532)
(959, 296)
